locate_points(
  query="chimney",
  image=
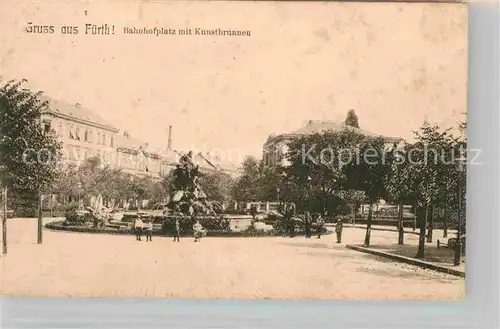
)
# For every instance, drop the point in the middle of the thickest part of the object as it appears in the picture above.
(125, 133)
(169, 146)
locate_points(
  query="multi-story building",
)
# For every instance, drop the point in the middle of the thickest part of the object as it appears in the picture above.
(136, 157)
(276, 146)
(83, 133)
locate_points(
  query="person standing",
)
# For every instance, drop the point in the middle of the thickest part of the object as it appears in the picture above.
(149, 229)
(307, 222)
(338, 230)
(320, 222)
(198, 231)
(138, 226)
(177, 232)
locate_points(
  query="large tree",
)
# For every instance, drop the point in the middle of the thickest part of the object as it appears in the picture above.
(28, 154)
(317, 165)
(217, 185)
(402, 184)
(248, 186)
(369, 172)
(425, 175)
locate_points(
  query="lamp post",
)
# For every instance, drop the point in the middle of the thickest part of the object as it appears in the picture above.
(278, 192)
(79, 194)
(458, 245)
(306, 206)
(40, 220)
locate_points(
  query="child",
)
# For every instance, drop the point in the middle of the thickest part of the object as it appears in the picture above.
(319, 225)
(149, 229)
(198, 231)
(138, 225)
(338, 229)
(177, 231)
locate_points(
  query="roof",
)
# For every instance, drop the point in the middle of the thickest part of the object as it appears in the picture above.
(75, 112)
(219, 163)
(323, 126)
(128, 142)
(315, 126)
(169, 156)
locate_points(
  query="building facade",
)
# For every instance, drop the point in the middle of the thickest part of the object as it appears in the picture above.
(136, 158)
(275, 148)
(84, 135)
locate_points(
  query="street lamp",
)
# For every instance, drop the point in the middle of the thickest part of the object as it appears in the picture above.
(278, 191)
(306, 205)
(461, 162)
(79, 186)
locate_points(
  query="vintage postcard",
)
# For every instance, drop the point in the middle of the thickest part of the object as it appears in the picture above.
(233, 150)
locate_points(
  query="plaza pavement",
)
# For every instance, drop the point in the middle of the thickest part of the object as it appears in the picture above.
(92, 265)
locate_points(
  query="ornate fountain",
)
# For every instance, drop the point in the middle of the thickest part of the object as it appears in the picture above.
(189, 202)
(189, 199)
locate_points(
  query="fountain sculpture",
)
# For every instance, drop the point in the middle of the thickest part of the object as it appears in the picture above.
(189, 199)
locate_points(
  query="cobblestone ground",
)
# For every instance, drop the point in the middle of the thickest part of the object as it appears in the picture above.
(86, 265)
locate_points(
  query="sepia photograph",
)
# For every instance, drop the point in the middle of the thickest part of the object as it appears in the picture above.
(234, 150)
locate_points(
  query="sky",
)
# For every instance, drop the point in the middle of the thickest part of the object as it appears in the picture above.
(395, 64)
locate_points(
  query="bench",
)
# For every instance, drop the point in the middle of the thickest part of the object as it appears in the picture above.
(449, 243)
(115, 226)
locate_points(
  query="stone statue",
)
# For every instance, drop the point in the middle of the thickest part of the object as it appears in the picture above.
(187, 163)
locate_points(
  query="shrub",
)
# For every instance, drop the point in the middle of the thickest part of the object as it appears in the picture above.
(23, 203)
(252, 232)
(343, 218)
(72, 216)
(210, 223)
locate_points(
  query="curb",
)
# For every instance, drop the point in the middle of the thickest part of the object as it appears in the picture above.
(387, 230)
(408, 260)
(376, 229)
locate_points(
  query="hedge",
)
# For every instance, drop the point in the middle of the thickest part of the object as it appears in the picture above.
(60, 226)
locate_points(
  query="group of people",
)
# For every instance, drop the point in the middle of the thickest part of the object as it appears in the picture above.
(339, 227)
(145, 226)
(288, 212)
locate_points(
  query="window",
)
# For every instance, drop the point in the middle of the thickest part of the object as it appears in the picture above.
(46, 127)
(104, 139)
(70, 132)
(77, 133)
(86, 138)
(72, 153)
(60, 129)
(78, 154)
(98, 138)
(111, 141)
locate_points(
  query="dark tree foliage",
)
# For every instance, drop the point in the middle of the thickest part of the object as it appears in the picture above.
(369, 173)
(217, 185)
(28, 156)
